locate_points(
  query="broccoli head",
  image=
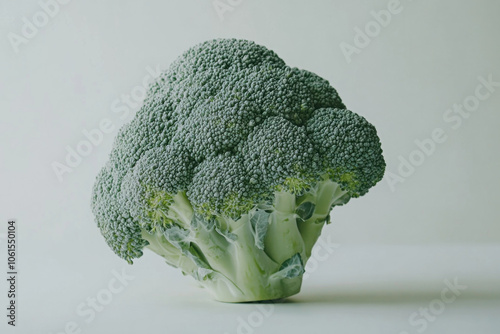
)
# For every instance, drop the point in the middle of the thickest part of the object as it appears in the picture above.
(230, 168)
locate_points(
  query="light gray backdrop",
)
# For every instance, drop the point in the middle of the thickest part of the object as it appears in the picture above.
(425, 73)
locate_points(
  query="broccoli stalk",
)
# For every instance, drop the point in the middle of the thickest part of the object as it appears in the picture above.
(244, 259)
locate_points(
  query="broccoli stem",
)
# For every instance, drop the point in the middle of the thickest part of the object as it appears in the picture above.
(172, 255)
(254, 270)
(181, 209)
(324, 196)
(224, 257)
(310, 233)
(216, 249)
(283, 226)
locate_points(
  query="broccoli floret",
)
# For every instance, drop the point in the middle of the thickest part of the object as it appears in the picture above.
(350, 148)
(230, 169)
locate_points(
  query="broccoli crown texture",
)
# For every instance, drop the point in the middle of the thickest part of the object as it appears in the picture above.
(231, 167)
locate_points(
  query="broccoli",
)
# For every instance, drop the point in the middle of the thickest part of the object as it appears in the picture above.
(230, 169)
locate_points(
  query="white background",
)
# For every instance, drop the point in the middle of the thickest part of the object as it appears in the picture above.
(396, 245)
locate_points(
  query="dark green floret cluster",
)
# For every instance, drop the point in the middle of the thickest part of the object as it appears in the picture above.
(230, 170)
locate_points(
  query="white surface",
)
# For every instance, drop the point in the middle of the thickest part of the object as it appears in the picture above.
(65, 79)
(358, 289)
